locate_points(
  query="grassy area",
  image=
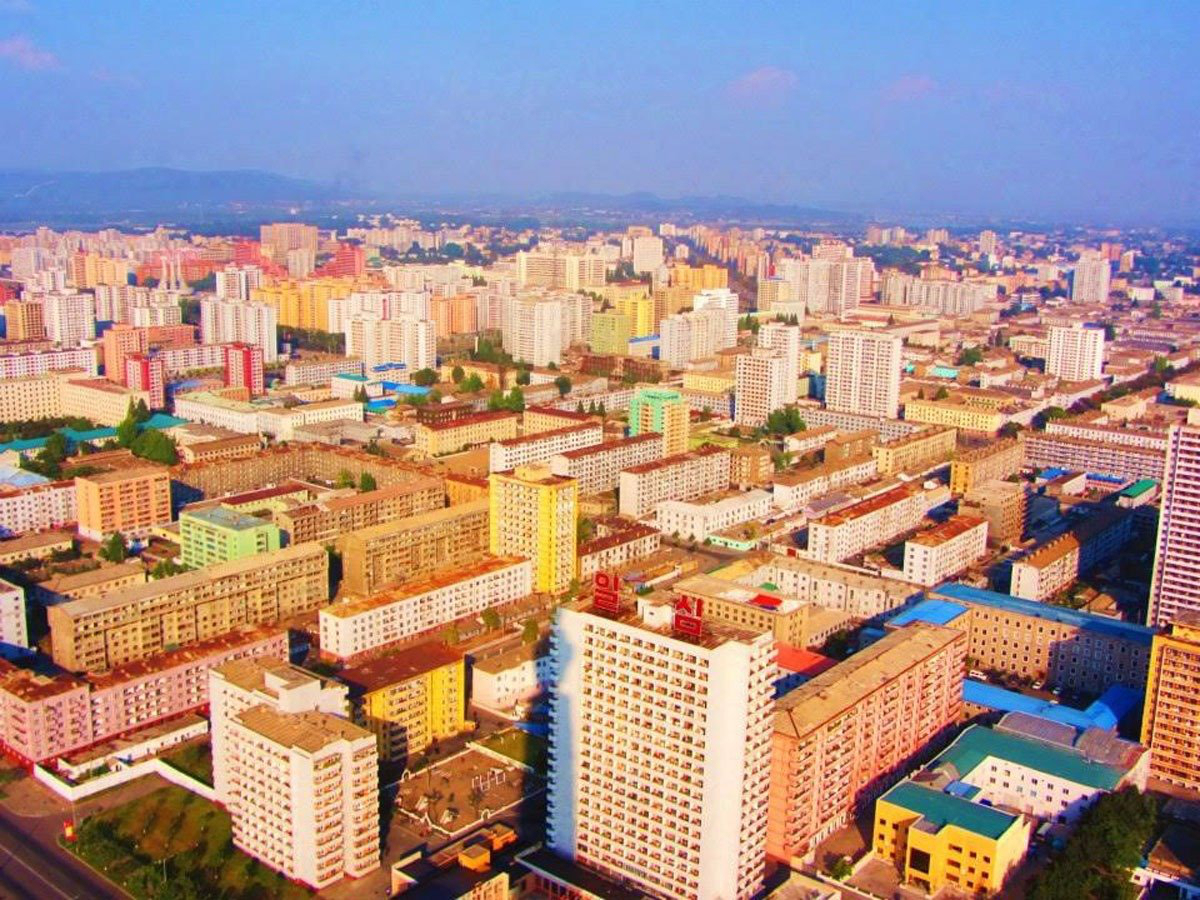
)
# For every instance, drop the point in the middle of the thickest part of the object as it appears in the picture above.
(194, 760)
(130, 843)
(9, 774)
(527, 749)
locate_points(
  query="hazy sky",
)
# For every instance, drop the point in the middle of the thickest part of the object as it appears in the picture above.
(1087, 110)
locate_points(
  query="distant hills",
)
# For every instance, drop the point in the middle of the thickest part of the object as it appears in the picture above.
(152, 194)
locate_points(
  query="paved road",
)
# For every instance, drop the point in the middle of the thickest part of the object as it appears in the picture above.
(34, 867)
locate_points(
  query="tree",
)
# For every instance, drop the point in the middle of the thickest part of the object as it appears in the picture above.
(127, 429)
(1010, 430)
(457, 374)
(941, 394)
(360, 394)
(450, 634)
(841, 869)
(563, 383)
(529, 631)
(366, 482)
(523, 376)
(141, 412)
(156, 447)
(165, 568)
(425, 377)
(345, 479)
(971, 356)
(491, 619)
(472, 384)
(113, 548)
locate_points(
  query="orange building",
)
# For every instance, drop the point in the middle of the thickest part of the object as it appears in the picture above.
(453, 315)
(119, 343)
(131, 501)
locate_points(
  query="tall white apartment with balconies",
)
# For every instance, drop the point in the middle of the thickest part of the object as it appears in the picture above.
(764, 381)
(863, 373)
(725, 300)
(1175, 583)
(403, 339)
(539, 326)
(236, 282)
(660, 751)
(785, 339)
(238, 322)
(647, 254)
(69, 319)
(1075, 353)
(1091, 278)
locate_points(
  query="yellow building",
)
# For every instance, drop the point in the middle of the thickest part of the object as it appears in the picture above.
(533, 514)
(937, 840)
(611, 332)
(131, 501)
(435, 439)
(640, 311)
(954, 413)
(915, 452)
(1185, 387)
(992, 462)
(709, 382)
(699, 278)
(410, 698)
(1172, 706)
(305, 304)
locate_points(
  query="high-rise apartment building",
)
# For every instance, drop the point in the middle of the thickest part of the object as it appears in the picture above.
(1175, 583)
(830, 286)
(244, 367)
(236, 282)
(277, 239)
(69, 319)
(785, 339)
(660, 751)
(538, 327)
(611, 332)
(863, 373)
(403, 339)
(725, 300)
(14, 629)
(533, 513)
(217, 534)
(765, 382)
(1172, 708)
(232, 321)
(647, 254)
(1075, 352)
(24, 320)
(663, 411)
(1090, 280)
(119, 342)
(147, 372)
(560, 269)
(699, 334)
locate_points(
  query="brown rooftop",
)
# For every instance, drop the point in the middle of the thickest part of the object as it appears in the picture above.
(677, 459)
(550, 434)
(584, 452)
(398, 666)
(467, 421)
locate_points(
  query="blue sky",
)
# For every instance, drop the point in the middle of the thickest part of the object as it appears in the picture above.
(1088, 111)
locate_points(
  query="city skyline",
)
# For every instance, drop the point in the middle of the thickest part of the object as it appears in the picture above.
(876, 112)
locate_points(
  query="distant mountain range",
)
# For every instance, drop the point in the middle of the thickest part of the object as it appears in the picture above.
(148, 195)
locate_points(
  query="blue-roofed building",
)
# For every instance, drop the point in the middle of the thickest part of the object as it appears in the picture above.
(1067, 648)
(1106, 713)
(932, 612)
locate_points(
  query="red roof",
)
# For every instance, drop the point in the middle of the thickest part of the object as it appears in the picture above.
(804, 662)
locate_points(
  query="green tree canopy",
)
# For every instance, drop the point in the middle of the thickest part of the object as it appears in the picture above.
(345, 479)
(425, 377)
(366, 482)
(155, 446)
(529, 631)
(114, 548)
(457, 374)
(563, 383)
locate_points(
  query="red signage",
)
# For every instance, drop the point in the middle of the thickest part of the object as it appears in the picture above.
(606, 594)
(688, 615)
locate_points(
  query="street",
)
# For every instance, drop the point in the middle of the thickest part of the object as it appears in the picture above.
(33, 866)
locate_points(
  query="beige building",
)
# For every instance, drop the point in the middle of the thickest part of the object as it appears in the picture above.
(597, 468)
(303, 794)
(846, 735)
(459, 434)
(413, 547)
(991, 462)
(100, 632)
(859, 593)
(840, 535)
(329, 518)
(915, 453)
(130, 501)
(863, 373)
(765, 382)
(1002, 504)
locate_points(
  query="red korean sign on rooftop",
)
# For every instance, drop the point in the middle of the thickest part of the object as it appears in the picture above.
(606, 592)
(688, 615)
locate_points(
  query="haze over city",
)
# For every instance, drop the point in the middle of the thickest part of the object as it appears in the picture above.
(1064, 112)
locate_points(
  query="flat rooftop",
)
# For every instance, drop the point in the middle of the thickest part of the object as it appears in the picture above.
(307, 731)
(946, 531)
(442, 579)
(226, 517)
(976, 744)
(940, 810)
(398, 666)
(1128, 631)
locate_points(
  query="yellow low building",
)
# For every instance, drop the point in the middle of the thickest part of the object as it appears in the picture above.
(459, 434)
(915, 452)
(709, 382)
(953, 413)
(410, 698)
(937, 839)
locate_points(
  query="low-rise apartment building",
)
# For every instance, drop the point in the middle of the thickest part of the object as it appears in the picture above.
(840, 535)
(844, 736)
(617, 543)
(915, 452)
(1003, 504)
(991, 462)
(351, 628)
(1045, 451)
(282, 423)
(37, 507)
(795, 488)
(413, 547)
(46, 716)
(1065, 648)
(328, 518)
(684, 476)
(859, 593)
(459, 434)
(1057, 563)
(542, 446)
(598, 467)
(502, 680)
(129, 500)
(937, 553)
(98, 633)
(698, 519)
(409, 698)
(320, 370)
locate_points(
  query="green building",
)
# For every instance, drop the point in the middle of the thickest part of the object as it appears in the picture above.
(662, 411)
(220, 534)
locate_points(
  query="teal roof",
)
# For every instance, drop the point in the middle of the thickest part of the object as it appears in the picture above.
(1139, 487)
(157, 421)
(225, 517)
(941, 810)
(977, 743)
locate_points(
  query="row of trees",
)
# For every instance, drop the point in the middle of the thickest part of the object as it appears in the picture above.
(312, 339)
(513, 401)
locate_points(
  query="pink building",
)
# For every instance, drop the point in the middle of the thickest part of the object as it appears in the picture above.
(146, 372)
(43, 717)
